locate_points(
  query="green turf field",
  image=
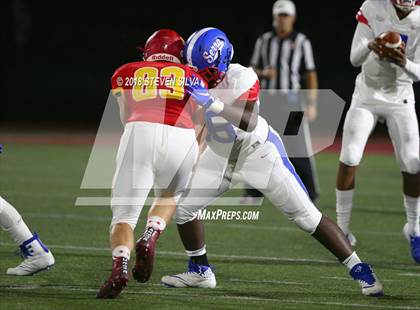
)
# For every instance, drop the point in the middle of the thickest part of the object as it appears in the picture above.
(264, 264)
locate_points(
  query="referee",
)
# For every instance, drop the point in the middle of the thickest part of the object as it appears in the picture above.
(283, 59)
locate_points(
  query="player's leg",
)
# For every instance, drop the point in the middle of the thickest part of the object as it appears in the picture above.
(205, 187)
(358, 125)
(132, 182)
(172, 176)
(286, 191)
(37, 256)
(403, 130)
(159, 216)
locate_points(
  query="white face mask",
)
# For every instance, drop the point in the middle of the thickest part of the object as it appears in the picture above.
(405, 5)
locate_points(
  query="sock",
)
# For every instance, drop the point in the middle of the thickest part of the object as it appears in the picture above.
(12, 223)
(412, 209)
(352, 261)
(344, 206)
(121, 251)
(199, 256)
(156, 223)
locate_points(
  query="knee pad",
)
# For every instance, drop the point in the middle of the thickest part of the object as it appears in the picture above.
(351, 155)
(410, 165)
(9, 217)
(185, 214)
(308, 221)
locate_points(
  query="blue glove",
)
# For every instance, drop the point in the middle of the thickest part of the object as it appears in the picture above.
(200, 94)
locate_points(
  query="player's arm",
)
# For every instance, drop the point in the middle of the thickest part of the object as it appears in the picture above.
(412, 68)
(122, 105)
(363, 43)
(119, 94)
(243, 113)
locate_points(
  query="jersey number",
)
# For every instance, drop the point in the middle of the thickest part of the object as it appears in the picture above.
(171, 77)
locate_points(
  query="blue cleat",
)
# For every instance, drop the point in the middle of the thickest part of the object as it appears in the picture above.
(370, 285)
(414, 244)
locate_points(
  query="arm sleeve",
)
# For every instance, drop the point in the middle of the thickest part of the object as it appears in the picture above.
(412, 68)
(359, 47)
(257, 54)
(308, 56)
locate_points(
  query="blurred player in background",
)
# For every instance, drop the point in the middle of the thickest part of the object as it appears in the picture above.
(256, 155)
(283, 59)
(157, 150)
(384, 92)
(37, 256)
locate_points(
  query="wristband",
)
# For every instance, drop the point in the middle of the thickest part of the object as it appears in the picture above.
(217, 106)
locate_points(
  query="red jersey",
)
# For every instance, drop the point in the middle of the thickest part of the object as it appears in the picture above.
(155, 92)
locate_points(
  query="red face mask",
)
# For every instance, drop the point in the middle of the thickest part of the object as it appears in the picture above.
(212, 76)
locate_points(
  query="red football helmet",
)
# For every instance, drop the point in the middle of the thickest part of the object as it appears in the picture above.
(405, 5)
(164, 45)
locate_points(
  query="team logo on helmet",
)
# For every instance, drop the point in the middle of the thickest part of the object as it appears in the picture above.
(214, 52)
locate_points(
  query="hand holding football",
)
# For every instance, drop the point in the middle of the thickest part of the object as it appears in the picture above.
(389, 46)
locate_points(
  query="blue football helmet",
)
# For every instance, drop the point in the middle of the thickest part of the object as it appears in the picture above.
(209, 52)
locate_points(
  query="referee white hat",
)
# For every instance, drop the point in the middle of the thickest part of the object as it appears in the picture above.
(284, 7)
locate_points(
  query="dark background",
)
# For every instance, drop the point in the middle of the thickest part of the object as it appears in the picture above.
(58, 56)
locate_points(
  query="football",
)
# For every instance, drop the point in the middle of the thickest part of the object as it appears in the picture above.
(391, 39)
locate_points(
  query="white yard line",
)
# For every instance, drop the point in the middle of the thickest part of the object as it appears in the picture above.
(269, 282)
(172, 293)
(217, 256)
(349, 279)
(180, 254)
(91, 218)
(409, 274)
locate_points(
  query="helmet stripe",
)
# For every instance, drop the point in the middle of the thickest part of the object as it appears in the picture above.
(192, 42)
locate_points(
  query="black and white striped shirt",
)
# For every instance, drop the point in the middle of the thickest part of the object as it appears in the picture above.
(291, 57)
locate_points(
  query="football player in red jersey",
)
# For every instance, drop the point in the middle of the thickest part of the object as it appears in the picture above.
(157, 150)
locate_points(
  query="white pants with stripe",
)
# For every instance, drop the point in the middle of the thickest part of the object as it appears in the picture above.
(266, 168)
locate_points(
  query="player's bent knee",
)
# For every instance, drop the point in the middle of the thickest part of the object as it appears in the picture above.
(9, 216)
(351, 155)
(185, 214)
(308, 221)
(411, 166)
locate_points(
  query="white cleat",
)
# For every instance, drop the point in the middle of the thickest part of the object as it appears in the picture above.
(197, 276)
(37, 258)
(32, 265)
(352, 239)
